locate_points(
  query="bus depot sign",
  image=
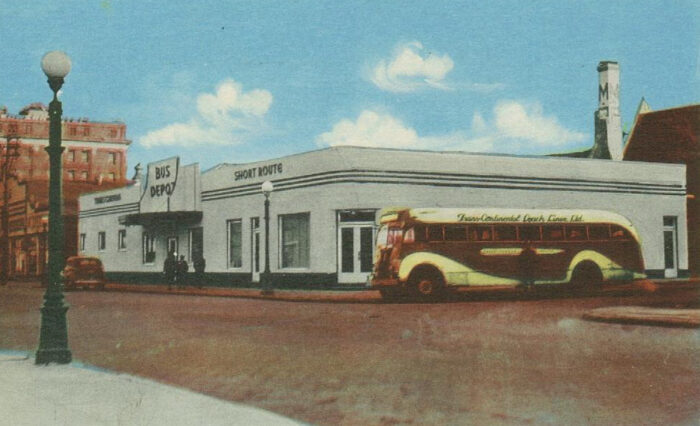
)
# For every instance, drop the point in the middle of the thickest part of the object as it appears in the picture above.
(166, 188)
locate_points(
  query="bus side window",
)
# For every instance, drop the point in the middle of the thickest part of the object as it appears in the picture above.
(529, 233)
(577, 232)
(480, 233)
(552, 232)
(435, 233)
(504, 233)
(455, 233)
(420, 233)
(598, 232)
(619, 233)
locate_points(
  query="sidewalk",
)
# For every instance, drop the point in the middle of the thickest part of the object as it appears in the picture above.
(686, 318)
(77, 394)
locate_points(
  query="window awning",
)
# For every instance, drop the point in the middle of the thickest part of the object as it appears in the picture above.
(147, 219)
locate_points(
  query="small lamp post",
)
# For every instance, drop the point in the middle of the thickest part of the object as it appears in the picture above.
(265, 278)
(53, 338)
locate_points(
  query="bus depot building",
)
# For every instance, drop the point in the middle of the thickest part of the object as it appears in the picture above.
(325, 204)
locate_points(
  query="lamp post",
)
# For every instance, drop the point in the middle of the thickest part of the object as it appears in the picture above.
(265, 279)
(42, 251)
(53, 338)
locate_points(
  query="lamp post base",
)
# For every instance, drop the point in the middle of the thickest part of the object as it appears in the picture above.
(266, 284)
(53, 340)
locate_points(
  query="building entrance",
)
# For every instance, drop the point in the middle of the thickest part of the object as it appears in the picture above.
(355, 246)
(255, 248)
(670, 247)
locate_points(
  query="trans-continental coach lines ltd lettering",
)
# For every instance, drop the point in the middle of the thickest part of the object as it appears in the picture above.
(525, 218)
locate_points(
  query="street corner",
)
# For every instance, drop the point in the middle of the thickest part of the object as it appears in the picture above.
(77, 393)
(639, 315)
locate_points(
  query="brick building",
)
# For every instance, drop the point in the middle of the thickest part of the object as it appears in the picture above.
(94, 158)
(672, 136)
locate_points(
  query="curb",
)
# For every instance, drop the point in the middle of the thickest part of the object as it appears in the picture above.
(639, 315)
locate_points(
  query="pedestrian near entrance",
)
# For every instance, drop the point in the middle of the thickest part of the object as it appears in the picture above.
(181, 272)
(199, 264)
(527, 263)
(169, 269)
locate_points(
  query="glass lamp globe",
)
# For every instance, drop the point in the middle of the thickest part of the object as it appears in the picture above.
(55, 64)
(267, 187)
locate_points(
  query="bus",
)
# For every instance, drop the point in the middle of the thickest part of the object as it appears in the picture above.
(424, 251)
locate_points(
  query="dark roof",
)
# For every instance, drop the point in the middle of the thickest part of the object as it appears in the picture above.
(666, 136)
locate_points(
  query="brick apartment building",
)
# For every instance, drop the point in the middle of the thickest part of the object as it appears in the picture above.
(94, 158)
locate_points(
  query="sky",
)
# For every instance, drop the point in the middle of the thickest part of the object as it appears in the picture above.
(241, 81)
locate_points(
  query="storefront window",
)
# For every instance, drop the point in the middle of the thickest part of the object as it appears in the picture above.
(121, 240)
(149, 248)
(295, 240)
(101, 240)
(235, 240)
(82, 242)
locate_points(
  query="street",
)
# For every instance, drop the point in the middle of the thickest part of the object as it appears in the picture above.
(521, 360)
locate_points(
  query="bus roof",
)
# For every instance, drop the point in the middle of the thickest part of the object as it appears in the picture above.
(505, 215)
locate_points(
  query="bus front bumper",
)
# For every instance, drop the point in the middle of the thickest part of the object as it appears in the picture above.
(379, 283)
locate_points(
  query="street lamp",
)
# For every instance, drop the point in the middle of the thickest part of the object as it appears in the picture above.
(42, 251)
(265, 279)
(53, 338)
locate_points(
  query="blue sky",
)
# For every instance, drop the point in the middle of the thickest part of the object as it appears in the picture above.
(238, 81)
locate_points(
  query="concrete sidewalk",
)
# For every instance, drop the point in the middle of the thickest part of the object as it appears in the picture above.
(77, 394)
(641, 315)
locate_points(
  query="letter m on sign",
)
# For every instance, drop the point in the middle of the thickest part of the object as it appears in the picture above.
(603, 92)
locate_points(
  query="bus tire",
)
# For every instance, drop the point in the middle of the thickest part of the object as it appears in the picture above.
(586, 274)
(426, 282)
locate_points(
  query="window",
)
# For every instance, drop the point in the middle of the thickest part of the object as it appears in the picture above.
(112, 158)
(455, 233)
(112, 133)
(480, 233)
(71, 156)
(71, 174)
(576, 232)
(101, 240)
(529, 233)
(84, 175)
(553, 233)
(121, 239)
(72, 130)
(86, 131)
(619, 233)
(598, 232)
(504, 233)
(85, 156)
(294, 230)
(149, 248)
(235, 243)
(111, 176)
(82, 242)
(435, 233)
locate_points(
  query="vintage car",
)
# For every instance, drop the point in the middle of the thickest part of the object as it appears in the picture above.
(83, 272)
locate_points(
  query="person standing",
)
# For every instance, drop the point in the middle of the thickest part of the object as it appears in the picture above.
(181, 272)
(169, 269)
(199, 264)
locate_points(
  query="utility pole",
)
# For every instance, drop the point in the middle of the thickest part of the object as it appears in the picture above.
(10, 152)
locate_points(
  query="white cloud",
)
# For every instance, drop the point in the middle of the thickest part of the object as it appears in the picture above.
(225, 117)
(412, 68)
(515, 128)
(514, 120)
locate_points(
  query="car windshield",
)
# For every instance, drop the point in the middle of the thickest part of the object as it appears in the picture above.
(86, 262)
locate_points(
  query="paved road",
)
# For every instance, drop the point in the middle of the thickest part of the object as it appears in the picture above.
(516, 361)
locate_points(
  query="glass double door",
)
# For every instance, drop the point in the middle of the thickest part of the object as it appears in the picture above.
(355, 252)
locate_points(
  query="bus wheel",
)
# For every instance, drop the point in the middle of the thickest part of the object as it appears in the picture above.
(427, 284)
(586, 274)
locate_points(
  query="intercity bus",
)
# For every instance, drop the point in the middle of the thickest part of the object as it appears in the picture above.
(423, 251)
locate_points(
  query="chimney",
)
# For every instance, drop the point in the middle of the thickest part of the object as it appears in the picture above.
(608, 124)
